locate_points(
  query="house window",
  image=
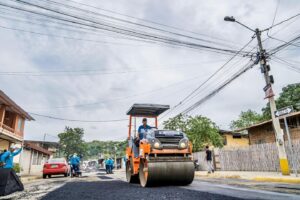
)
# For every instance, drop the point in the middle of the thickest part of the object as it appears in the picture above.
(237, 137)
(34, 157)
(20, 124)
(40, 158)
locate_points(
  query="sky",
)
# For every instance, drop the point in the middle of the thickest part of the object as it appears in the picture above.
(139, 72)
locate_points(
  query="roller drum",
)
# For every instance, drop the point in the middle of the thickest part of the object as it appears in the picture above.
(167, 172)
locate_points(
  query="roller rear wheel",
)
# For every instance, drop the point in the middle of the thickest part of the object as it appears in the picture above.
(143, 173)
(130, 177)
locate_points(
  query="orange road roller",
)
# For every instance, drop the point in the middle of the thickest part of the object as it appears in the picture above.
(160, 156)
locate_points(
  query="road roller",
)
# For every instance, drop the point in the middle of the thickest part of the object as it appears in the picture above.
(162, 156)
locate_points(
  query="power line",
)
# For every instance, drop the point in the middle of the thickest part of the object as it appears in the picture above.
(214, 92)
(119, 30)
(280, 47)
(283, 21)
(148, 21)
(94, 71)
(207, 80)
(77, 120)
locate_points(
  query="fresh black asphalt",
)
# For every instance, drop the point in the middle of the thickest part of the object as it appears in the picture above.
(119, 190)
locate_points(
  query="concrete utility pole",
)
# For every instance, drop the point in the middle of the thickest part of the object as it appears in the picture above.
(265, 68)
(284, 165)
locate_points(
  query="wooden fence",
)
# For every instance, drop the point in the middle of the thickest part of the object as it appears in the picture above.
(258, 157)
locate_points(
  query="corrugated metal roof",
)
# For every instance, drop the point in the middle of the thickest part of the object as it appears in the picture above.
(37, 148)
(268, 121)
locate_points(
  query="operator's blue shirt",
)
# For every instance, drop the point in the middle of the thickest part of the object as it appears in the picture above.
(142, 130)
(8, 158)
(74, 160)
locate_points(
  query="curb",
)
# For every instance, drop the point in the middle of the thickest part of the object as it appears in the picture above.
(257, 178)
(280, 180)
(28, 179)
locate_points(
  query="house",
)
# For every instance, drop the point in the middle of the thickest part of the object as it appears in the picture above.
(264, 133)
(234, 139)
(52, 147)
(12, 122)
(33, 158)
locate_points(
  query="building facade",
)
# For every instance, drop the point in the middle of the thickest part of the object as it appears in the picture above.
(264, 133)
(12, 122)
(234, 139)
(33, 158)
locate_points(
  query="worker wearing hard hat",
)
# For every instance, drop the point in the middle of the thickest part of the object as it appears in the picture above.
(8, 157)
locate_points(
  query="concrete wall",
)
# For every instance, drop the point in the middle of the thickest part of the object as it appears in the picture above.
(4, 144)
(236, 142)
(29, 164)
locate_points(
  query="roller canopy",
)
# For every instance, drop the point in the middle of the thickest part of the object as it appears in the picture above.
(150, 110)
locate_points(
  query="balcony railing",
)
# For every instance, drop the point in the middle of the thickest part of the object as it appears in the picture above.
(8, 128)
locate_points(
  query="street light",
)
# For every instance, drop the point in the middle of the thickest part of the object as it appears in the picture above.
(232, 19)
(229, 19)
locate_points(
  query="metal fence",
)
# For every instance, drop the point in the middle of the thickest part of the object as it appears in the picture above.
(258, 157)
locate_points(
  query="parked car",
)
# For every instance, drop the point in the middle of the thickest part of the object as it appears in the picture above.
(56, 166)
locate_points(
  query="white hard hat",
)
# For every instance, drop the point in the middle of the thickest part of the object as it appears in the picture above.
(13, 146)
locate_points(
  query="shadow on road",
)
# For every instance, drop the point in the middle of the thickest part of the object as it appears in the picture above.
(114, 190)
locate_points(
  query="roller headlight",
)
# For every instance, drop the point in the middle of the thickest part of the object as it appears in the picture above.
(155, 143)
(183, 143)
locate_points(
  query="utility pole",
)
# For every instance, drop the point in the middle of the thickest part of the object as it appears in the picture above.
(284, 165)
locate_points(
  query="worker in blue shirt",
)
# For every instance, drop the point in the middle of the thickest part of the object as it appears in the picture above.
(8, 157)
(141, 135)
(143, 129)
(75, 161)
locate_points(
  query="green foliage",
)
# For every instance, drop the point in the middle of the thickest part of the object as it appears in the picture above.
(200, 130)
(176, 123)
(17, 167)
(71, 141)
(105, 148)
(290, 96)
(246, 118)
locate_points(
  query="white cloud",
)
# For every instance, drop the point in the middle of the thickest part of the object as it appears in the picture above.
(29, 52)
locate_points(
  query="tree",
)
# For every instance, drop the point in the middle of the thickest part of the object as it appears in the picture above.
(290, 96)
(200, 130)
(178, 122)
(106, 148)
(71, 141)
(246, 118)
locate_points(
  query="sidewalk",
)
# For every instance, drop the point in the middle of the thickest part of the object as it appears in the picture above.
(254, 176)
(28, 178)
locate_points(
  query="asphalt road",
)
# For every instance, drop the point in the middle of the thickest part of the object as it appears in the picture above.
(112, 187)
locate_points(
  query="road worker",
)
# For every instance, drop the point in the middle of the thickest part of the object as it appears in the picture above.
(142, 130)
(7, 157)
(74, 161)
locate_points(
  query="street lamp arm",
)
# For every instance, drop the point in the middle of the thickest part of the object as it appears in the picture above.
(232, 19)
(245, 26)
